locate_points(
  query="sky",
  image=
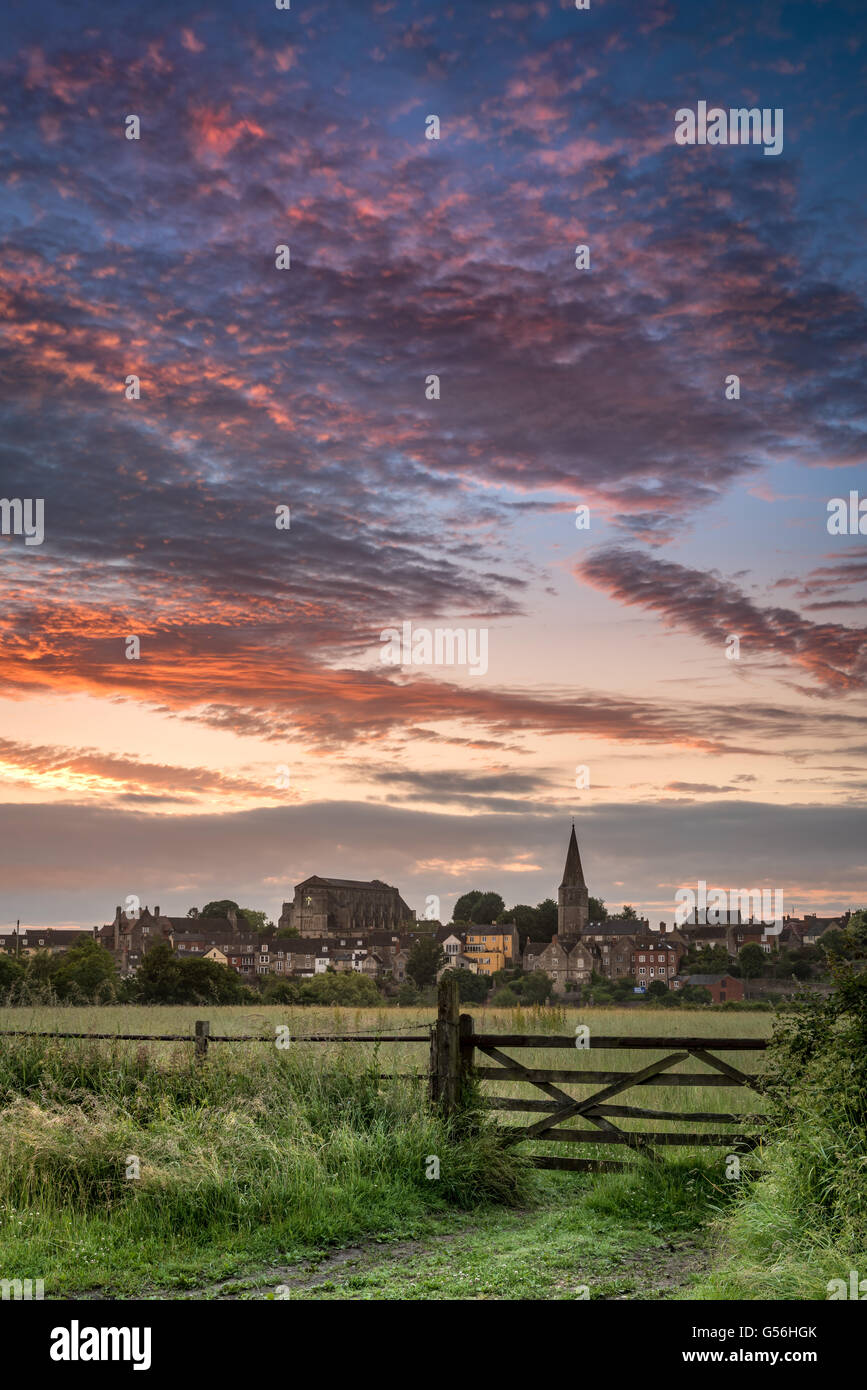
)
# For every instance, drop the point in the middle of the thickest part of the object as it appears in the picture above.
(684, 674)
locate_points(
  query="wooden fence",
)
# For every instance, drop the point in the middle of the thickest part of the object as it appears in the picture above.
(453, 1068)
(203, 1036)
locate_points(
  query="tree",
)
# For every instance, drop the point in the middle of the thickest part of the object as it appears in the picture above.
(752, 960)
(706, 960)
(696, 994)
(425, 959)
(220, 908)
(597, 910)
(629, 914)
(673, 999)
(856, 930)
(487, 908)
(525, 919)
(407, 994)
(258, 921)
(41, 967)
(348, 987)
(11, 971)
(657, 989)
(158, 978)
(465, 904)
(207, 981)
(277, 991)
(536, 987)
(546, 924)
(834, 942)
(472, 989)
(85, 969)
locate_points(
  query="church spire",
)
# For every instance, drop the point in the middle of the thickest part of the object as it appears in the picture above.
(573, 874)
(572, 899)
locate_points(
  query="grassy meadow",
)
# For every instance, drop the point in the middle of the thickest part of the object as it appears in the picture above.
(264, 1157)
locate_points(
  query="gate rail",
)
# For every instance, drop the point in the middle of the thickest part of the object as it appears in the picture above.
(455, 1042)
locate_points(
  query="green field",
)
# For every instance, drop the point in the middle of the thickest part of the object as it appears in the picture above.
(265, 1165)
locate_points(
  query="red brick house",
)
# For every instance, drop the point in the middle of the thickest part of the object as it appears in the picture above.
(723, 988)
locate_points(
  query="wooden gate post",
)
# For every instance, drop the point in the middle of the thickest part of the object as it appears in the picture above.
(445, 1047)
(466, 1029)
(203, 1028)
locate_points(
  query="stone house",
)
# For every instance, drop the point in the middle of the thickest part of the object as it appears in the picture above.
(568, 964)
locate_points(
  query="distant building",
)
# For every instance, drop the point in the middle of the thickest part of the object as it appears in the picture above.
(330, 906)
(26, 941)
(723, 988)
(655, 960)
(568, 964)
(492, 948)
(128, 938)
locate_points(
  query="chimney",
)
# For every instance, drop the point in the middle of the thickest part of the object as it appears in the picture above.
(233, 920)
(156, 911)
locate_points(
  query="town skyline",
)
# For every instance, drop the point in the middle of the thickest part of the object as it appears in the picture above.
(660, 909)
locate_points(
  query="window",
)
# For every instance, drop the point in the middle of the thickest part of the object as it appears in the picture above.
(642, 970)
(642, 957)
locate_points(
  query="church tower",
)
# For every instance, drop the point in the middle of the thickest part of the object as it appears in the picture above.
(572, 906)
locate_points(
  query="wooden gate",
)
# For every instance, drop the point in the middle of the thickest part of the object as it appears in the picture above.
(455, 1043)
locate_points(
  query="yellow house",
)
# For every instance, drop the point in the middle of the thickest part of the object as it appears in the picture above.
(492, 948)
(217, 955)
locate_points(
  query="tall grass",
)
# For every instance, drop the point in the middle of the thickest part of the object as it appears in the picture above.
(804, 1222)
(270, 1151)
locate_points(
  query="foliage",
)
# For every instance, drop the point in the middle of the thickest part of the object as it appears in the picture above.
(487, 908)
(805, 1221)
(11, 972)
(706, 960)
(546, 919)
(752, 960)
(462, 911)
(221, 908)
(85, 971)
(472, 989)
(258, 921)
(339, 987)
(426, 959)
(163, 978)
(696, 994)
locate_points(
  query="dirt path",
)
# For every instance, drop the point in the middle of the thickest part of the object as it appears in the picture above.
(559, 1252)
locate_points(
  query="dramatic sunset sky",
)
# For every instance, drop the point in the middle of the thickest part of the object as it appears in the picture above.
(260, 388)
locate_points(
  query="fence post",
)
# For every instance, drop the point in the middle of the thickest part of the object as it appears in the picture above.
(466, 1028)
(445, 1047)
(203, 1028)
